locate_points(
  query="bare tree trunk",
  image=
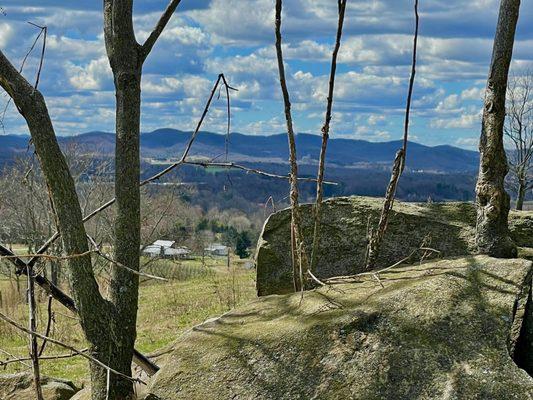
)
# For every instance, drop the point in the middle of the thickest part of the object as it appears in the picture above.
(32, 326)
(493, 203)
(91, 306)
(375, 238)
(521, 195)
(299, 258)
(125, 57)
(109, 326)
(325, 137)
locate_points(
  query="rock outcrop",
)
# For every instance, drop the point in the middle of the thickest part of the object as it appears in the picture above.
(440, 330)
(447, 227)
(20, 387)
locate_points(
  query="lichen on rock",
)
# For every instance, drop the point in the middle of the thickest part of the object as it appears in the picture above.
(447, 227)
(440, 330)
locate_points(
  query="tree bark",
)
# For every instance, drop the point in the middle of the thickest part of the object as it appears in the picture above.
(493, 203)
(125, 58)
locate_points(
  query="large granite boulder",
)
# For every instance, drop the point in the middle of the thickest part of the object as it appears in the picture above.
(20, 387)
(445, 329)
(447, 227)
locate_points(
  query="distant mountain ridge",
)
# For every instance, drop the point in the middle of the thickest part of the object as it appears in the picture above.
(167, 143)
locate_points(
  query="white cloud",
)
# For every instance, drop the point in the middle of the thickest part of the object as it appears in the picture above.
(93, 76)
(463, 121)
(6, 32)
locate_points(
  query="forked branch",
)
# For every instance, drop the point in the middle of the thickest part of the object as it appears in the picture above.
(159, 27)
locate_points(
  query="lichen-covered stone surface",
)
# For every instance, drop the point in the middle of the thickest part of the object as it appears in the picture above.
(440, 330)
(447, 227)
(20, 387)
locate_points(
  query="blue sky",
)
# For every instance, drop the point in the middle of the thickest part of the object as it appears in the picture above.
(235, 37)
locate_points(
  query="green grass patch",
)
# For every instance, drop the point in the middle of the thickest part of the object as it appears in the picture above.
(197, 290)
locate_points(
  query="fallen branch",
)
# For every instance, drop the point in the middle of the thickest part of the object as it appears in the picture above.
(351, 278)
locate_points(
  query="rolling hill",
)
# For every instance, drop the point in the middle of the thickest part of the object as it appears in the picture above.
(163, 144)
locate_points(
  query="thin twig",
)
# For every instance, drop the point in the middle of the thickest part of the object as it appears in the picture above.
(44, 29)
(41, 358)
(48, 324)
(325, 137)
(232, 165)
(66, 346)
(14, 359)
(398, 166)
(99, 251)
(299, 260)
(343, 279)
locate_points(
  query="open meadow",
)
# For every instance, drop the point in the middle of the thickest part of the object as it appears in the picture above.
(194, 292)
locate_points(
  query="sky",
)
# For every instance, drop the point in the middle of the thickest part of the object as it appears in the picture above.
(236, 37)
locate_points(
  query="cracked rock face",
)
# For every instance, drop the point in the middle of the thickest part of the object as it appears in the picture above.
(447, 227)
(441, 330)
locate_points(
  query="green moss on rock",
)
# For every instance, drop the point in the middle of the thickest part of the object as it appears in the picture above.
(447, 227)
(440, 330)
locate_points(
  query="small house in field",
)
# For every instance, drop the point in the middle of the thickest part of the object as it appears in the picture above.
(166, 249)
(216, 249)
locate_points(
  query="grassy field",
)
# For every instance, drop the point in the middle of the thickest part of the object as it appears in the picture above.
(196, 291)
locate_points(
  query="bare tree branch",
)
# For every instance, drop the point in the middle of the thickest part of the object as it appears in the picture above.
(376, 237)
(325, 137)
(14, 359)
(66, 346)
(299, 259)
(56, 357)
(48, 324)
(99, 251)
(34, 352)
(231, 165)
(144, 362)
(159, 27)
